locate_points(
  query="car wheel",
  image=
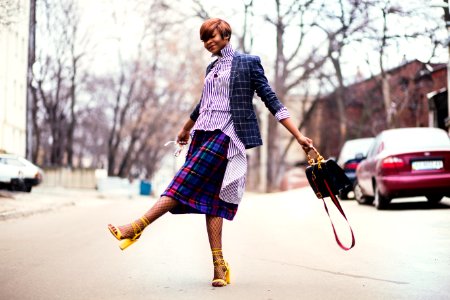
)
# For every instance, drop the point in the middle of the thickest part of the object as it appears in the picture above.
(359, 196)
(28, 188)
(343, 195)
(434, 198)
(17, 185)
(380, 201)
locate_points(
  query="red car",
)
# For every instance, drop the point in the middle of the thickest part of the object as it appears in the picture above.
(405, 162)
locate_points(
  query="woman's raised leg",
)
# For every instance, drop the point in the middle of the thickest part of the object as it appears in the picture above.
(129, 233)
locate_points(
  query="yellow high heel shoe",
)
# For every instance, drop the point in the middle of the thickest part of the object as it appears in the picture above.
(221, 263)
(126, 242)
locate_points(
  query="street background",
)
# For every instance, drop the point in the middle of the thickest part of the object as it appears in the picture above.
(55, 245)
(93, 90)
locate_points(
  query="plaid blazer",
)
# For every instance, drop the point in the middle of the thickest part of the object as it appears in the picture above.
(246, 78)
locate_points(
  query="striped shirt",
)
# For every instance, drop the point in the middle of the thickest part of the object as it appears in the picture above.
(215, 114)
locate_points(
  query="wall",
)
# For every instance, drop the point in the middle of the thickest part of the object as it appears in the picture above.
(70, 178)
(13, 82)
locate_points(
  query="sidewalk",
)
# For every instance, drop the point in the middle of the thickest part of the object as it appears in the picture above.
(45, 199)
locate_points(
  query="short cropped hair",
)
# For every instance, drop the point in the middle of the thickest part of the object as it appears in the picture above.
(208, 27)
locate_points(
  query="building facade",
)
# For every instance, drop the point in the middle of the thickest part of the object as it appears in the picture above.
(13, 80)
(411, 86)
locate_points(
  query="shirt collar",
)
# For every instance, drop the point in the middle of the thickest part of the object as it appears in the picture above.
(227, 51)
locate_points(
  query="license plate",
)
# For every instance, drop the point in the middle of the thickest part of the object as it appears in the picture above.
(427, 165)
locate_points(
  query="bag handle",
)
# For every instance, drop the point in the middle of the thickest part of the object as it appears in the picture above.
(320, 159)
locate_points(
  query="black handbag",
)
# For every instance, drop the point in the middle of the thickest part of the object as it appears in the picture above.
(327, 179)
(321, 172)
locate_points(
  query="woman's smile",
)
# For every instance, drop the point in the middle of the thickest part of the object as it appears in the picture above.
(215, 43)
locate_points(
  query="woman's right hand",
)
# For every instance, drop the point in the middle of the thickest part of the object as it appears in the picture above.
(185, 132)
(183, 137)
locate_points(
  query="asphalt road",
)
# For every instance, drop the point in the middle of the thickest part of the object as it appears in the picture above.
(280, 246)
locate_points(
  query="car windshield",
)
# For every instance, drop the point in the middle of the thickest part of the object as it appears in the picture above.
(416, 139)
(11, 161)
(353, 148)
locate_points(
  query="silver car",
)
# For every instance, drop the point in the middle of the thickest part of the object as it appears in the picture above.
(351, 154)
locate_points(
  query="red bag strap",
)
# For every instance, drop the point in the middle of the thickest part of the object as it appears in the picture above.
(338, 206)
(319, 160)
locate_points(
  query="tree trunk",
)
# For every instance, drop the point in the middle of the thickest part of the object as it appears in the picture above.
(386, 91)
(340, 101)
(112, 150)
(36, 134)
(127, 159)
(272, 128)
(72, 122)
(385, 88)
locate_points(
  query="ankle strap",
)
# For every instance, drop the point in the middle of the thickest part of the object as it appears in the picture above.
(216, 251)
(145, 220)
(136, 227)
(219, 262)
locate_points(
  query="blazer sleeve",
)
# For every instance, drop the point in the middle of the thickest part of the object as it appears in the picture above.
(262, 88)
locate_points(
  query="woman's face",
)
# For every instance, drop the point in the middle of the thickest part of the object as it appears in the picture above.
(215, 43)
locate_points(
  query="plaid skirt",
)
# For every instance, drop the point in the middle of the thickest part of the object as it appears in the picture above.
(197, 184)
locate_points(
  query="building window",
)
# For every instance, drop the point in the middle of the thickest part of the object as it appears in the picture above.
(403, 83)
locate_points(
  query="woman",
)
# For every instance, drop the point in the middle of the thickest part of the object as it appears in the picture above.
(222, 126)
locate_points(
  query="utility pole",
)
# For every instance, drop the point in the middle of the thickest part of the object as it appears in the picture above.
(30, 94)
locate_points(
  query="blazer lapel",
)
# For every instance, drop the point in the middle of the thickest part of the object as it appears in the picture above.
(234, 66)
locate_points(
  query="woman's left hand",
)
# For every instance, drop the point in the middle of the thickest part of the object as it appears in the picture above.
(305, 142)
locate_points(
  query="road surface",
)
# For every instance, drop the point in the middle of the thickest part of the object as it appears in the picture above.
(280, 246)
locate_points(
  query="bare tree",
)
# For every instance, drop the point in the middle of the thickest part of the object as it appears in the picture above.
(90, 136)
(146, 90)
(55, 79)
(199, 10)
(245, 39)
(74, 56)
(385, 87)
(290, 68)
(388, 38)
(341, 22)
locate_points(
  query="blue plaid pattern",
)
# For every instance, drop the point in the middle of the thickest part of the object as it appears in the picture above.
(196, 186)
(247, 77)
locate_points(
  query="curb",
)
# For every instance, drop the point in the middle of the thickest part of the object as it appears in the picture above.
(42, 200)
(14, 214)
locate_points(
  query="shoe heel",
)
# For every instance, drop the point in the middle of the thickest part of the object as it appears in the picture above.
(227, 278)
(126, 243)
